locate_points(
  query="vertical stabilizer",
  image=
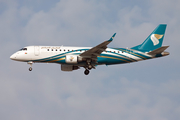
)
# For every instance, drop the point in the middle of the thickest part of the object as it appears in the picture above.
(154, 40)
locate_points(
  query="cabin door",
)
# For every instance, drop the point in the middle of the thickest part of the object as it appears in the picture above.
(36, 50)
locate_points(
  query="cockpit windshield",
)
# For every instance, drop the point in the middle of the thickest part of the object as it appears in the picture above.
(23, 49)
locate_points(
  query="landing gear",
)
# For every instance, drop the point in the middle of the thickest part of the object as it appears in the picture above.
(30, 69)
(89, 66)
(86, 72)
(30, 63)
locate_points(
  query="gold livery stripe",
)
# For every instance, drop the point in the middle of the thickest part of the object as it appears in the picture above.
(138, 55)
(57, 60)
(134, 54)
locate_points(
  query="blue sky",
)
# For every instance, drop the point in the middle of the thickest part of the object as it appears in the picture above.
(143, 90)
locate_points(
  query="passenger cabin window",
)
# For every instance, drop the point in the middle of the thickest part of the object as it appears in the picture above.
(47, 49)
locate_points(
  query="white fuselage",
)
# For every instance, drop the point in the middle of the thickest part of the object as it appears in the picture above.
(35, 53)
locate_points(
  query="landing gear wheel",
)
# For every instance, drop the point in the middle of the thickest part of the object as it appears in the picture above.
(30, 69)
(30, 63)
(86, 72)
(89, 67)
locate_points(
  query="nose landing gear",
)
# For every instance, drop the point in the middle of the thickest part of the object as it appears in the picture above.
(30, 69)
(30, 63)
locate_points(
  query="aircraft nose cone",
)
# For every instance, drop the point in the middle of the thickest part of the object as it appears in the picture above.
(13, 57)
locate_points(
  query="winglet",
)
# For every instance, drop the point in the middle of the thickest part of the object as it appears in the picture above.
(112, 37)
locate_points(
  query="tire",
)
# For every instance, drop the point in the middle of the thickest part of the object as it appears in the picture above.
(30, 69)
(86, 72)
(89, 67)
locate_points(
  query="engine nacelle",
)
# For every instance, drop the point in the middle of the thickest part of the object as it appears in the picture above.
(69, 67)
(73, 59)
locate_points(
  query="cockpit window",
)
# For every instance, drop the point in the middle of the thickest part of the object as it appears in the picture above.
(25, 49)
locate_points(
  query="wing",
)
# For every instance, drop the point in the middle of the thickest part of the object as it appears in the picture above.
(97, 50)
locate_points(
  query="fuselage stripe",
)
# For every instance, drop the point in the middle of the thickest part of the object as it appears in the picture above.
(114, 58)
(112, 55)
(135, 54)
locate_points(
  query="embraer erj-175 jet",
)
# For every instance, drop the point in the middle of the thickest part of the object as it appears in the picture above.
(72, 58)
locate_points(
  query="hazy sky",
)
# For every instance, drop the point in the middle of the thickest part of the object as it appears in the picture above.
(146, 90)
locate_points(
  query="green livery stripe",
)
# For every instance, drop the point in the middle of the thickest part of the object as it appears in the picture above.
(115, 58)
(112, 55)
(57, 60)
(132, 53)
(59, 55)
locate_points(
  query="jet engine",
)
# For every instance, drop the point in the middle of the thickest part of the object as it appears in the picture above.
(73, 59)
(69, 67)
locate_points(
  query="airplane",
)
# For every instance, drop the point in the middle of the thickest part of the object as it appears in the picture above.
(72, 58)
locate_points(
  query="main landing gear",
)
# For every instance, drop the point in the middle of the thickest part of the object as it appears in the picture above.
(30, 63)
(86, 72)
(88, 67)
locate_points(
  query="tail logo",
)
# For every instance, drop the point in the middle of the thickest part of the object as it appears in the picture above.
(155, 38)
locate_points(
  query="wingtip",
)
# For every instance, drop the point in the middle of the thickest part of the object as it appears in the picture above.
(112, 37)
(114, 34)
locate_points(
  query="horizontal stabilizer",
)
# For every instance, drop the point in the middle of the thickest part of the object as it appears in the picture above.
(158, 51)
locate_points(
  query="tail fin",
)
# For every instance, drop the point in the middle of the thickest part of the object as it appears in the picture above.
(154, 40)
